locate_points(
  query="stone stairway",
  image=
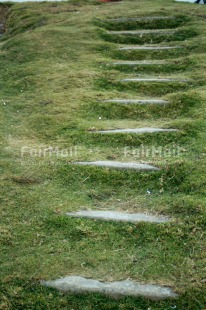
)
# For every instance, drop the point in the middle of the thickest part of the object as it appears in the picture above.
(78, 284)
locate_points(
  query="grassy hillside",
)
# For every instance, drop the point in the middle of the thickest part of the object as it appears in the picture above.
(53, 80)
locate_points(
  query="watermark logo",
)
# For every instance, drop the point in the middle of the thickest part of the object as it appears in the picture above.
(47, 152)
(153, 151)
(55, 155)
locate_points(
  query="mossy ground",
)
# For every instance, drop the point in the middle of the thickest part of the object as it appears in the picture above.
(52, 83)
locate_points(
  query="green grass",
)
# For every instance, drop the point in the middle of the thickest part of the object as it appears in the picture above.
(147, 38)
(53, 80)
(173, 21)
(111, 50)
(179, 104)
(167, 67)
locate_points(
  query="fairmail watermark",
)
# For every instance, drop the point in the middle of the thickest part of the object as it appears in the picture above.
(153, 151)
(57, 152)
(49, 152)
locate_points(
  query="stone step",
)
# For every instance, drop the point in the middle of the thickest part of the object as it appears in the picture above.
(140, 63)
(138, 19)
(119, 216)
(137, 130)
(161, 80)
(143, 32)
(138, 101)
(147, 47)
(80, 285)
(118, 165)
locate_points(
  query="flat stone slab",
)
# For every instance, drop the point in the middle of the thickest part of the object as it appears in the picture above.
(80, 285)
(153, 80)
(119, 216)
(118, 165)
(139, 19)
(136, 63)
(144, 47)
(138, 101)
(137, 130)
(142, 32)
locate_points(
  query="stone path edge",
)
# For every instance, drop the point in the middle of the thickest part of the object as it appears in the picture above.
(80, 285)
(137, 101)
(119, 165)
(140, 63)
(139, 32)
(146, 47)
(155, 80)
(118, 216)
(143, 130)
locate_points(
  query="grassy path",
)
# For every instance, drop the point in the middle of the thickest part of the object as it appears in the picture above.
(57, 83)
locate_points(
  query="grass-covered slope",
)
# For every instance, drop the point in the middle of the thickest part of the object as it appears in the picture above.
(53, 80)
